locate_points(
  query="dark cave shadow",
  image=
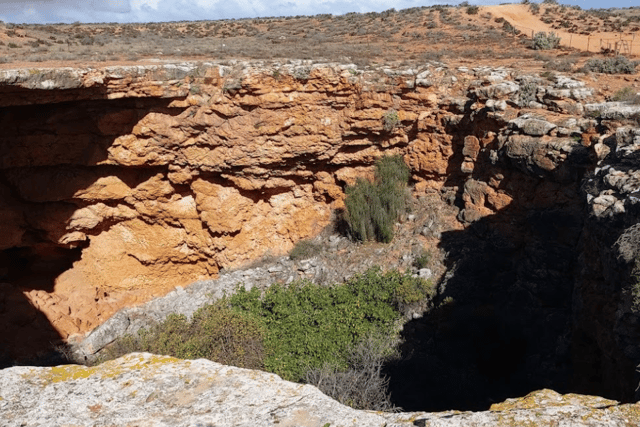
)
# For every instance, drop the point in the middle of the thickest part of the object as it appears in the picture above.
(37, 146)
(500, 329)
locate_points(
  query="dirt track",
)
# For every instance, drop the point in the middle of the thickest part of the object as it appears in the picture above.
(521, 17)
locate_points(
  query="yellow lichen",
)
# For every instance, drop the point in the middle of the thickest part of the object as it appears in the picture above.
(63, 373)
(107, 370)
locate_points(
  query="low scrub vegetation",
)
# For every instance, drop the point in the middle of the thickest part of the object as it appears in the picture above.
(323, 37)
(337, 337)
(304, 249)
(363, 384)
(390, 120)
(562, 65)
(627, 94)
(545, 41)
(215, 332)
(617, 65)
(372, 208)
(309, 325)
(422, 260)
(473, 10)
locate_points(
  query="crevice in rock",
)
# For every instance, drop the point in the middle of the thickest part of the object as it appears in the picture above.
(29, 337)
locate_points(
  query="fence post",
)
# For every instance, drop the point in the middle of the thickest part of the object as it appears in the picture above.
(588, 42)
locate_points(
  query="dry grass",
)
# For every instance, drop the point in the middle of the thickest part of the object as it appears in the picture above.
(414, 35)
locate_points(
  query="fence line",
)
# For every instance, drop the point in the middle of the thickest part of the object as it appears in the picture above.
(621, 45)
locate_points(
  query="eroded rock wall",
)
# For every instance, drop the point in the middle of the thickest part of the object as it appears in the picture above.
(605, 300)
(118, 185)
(150, 184)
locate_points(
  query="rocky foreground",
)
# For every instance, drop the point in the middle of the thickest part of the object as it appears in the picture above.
(142, 389)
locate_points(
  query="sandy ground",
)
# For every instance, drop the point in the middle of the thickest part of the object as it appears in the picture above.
(521, 17)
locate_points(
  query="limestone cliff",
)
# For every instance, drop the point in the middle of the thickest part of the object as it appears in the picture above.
(119, 184)
(147, 178)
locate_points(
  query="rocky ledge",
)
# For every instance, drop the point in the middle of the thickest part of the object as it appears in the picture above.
(142, 389)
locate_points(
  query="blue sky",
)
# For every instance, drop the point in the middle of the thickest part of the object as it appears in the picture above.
(52, 11)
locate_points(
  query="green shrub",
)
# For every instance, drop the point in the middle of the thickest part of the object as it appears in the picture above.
(508, 28)
(562, 65)
(310, 326)
(422, 260)
(544, 41)
(472, 10)
(372, 208)
(411, 289)
(216, 332)
(304, 249)
(392, 170)
(339, 336)
(618, 65)
(528, 92)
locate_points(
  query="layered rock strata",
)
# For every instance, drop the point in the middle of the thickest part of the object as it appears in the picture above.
(118, 185)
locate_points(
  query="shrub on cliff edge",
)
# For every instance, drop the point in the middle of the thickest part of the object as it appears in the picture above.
(362, 385)
(372, 208)
(336, 337)
(310, 326)
(304, 249)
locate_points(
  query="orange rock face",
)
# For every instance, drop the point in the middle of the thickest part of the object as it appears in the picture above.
(130, 182)
(168, 181)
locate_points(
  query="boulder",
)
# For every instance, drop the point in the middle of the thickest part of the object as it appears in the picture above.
(143, 389)
(533, 126)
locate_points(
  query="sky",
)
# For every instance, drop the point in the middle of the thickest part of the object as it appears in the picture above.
(68, 11)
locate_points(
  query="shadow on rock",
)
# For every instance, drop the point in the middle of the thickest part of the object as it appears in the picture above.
(502, 326)
(27, 336)
(38, 145)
